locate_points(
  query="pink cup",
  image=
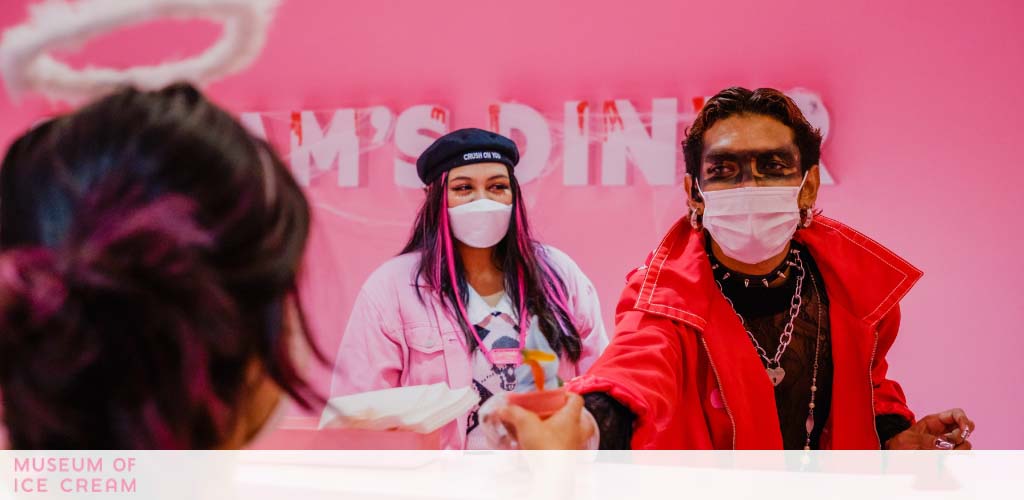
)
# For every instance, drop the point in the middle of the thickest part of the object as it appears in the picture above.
(543, 403)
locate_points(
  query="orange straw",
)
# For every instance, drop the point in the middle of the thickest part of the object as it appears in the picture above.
(533, 358)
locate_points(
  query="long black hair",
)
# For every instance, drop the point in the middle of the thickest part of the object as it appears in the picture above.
(531, 282)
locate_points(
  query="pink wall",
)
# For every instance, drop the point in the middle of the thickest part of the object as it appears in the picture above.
(924, 101)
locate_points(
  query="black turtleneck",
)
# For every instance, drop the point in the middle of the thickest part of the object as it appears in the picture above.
(766, 312)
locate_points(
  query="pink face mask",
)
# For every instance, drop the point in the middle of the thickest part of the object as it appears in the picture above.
(752, 224)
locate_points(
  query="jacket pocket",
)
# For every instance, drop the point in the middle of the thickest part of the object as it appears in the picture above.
(426, 363)
(424, 339)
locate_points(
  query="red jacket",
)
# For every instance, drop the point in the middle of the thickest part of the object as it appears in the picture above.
(681, 361)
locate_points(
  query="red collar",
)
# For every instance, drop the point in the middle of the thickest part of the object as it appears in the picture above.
(861, 275)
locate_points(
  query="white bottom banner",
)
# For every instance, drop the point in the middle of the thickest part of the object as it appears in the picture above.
(501, 475)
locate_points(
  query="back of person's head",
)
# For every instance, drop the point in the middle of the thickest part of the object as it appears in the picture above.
(150, 247)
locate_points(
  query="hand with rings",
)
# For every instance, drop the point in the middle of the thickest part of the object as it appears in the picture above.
(946, 430)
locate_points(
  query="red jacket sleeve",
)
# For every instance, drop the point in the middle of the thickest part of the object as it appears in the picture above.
(889, 397)
(641, 368)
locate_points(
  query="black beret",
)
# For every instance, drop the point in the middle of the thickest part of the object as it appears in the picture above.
(463, 147)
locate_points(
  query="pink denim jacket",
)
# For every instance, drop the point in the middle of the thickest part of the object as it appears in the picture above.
(393, 339)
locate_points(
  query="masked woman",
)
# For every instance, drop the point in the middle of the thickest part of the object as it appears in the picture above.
(470, 289)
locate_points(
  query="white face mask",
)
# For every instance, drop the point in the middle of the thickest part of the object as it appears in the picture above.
(482, 223)
(752, 224)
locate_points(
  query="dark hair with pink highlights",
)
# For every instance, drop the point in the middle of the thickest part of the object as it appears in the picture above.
(531, 282)
(149, 244)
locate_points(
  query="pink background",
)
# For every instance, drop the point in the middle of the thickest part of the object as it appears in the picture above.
(924, 100)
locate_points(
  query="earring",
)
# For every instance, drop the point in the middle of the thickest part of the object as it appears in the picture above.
(695, 221)
(806, 217)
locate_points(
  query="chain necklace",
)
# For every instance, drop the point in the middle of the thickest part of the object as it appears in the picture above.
(814, 376)
(773, 367)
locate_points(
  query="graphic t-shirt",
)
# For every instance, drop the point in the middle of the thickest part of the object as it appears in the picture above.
(498, 329)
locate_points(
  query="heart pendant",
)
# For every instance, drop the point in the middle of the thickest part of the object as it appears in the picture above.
(775, 375)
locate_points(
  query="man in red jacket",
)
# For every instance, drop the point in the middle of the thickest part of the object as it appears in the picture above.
(756, 323)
